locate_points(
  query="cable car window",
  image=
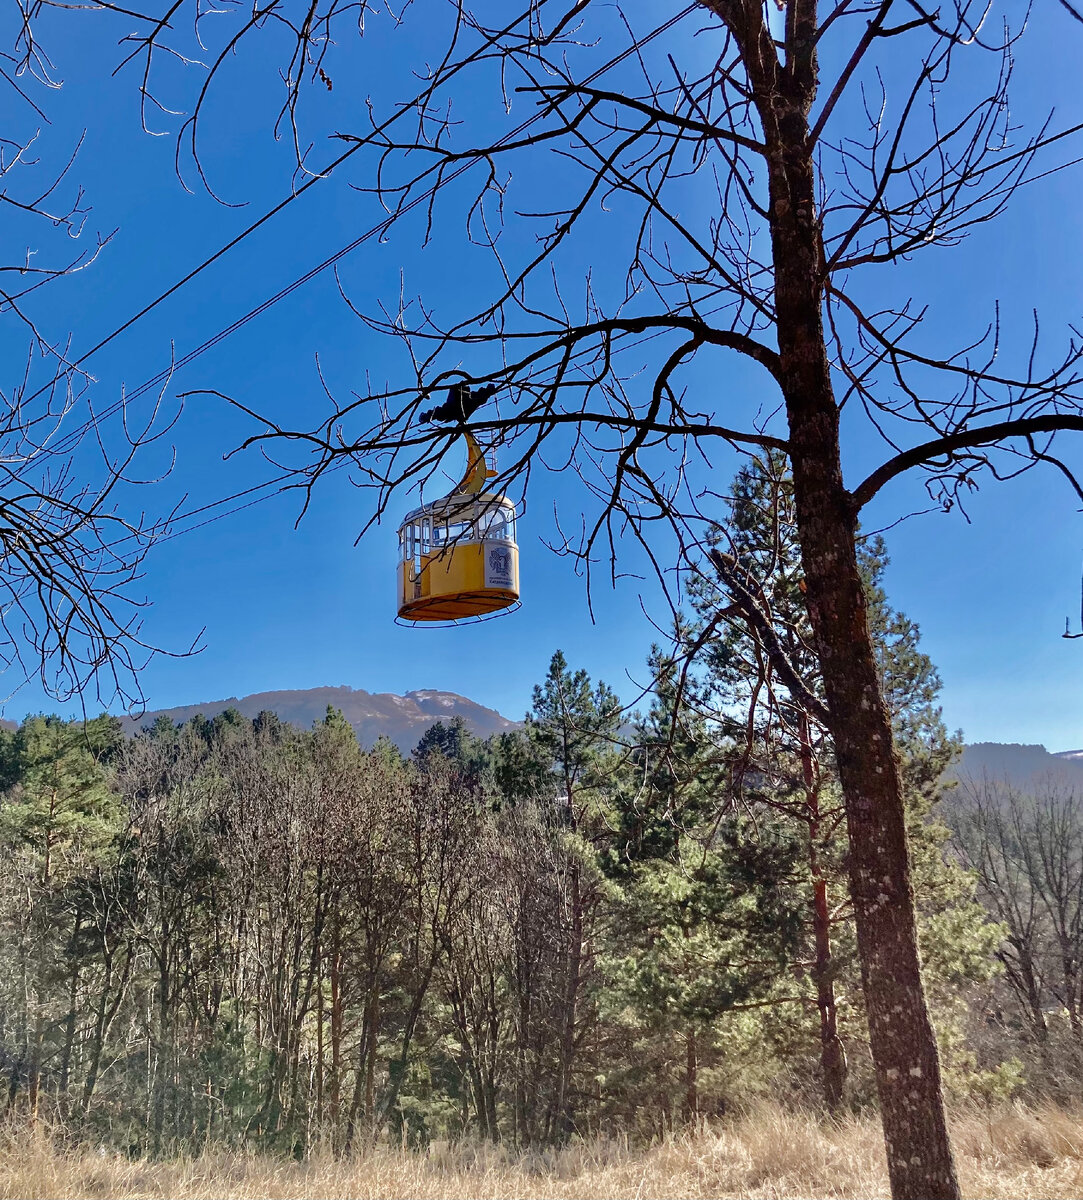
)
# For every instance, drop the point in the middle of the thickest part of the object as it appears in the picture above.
(460, 531)
(426, 541)
(495, 525)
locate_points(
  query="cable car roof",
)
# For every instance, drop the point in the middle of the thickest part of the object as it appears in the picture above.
(460, 505)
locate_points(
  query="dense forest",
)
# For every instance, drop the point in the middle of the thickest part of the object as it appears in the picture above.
(621, 916)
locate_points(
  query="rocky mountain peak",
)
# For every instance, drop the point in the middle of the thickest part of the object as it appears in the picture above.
(403, 719)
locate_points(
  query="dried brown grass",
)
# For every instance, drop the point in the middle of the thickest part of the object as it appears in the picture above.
(1018, 1152)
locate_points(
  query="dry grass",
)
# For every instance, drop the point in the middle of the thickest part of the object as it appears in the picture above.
(771, 1153)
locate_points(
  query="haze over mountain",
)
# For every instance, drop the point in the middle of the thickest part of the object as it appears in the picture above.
(403, 719)
(1021, 766)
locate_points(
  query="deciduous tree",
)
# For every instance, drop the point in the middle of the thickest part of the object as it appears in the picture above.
(731, 178)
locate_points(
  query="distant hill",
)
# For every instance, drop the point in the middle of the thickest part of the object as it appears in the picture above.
(405, 718)
(1021, 766)
(401, 718)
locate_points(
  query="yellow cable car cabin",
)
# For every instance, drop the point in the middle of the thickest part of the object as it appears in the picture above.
(457, 556)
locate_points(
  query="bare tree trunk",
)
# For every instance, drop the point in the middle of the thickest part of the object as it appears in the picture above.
(832, 1055)
(73, 1006)
(103, 1021)
(902, 1039)
(363, 1103)
(563, 1121)
(335, 1088)
(319, 1047)
(1024, 979)
(523, 1130)
(372, 1026)
(691, 1076)
(163, 1034)
(903, 1043)
(901, 1035)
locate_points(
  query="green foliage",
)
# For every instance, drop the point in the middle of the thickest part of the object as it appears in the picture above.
(456, 744)
(574, 726)
(57, 811)
(708, 931)
(782, 767)
(242, 931)
(521, 769)
(708, 914)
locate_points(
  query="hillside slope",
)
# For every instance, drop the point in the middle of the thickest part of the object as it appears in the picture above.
(401, 718)
(1024, 767)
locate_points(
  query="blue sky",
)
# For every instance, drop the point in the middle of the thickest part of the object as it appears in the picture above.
(286, 607)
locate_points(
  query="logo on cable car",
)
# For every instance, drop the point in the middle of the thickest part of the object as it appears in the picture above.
(498, 567)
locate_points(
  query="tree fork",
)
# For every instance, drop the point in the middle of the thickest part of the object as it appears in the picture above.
(900, 1032)
(920, 1161)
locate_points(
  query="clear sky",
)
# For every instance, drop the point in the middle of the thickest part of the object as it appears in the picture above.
(285, 607)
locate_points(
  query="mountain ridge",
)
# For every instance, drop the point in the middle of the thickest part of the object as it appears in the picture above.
(402, 718)
(1019, 764)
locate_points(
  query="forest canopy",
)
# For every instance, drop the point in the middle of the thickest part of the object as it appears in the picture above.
(610, 919)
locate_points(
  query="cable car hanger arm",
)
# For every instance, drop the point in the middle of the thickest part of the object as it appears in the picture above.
(461, 404)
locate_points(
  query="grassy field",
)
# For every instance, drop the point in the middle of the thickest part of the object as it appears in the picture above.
(1015, 1153)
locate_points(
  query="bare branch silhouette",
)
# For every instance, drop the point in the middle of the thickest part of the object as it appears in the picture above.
(684, 188)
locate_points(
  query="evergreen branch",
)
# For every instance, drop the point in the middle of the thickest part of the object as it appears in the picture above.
(728, 567)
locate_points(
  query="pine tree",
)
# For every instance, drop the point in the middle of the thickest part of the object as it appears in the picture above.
(783, 758)
(58, 817)
(458, 745)
(708, 916)
(575, 725)
(521, 767)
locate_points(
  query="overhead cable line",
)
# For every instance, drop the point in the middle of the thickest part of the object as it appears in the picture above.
(343, 461)
(162, 376)
(403, 108)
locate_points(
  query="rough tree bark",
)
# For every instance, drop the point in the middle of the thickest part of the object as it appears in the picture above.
(832, 1055)
(903, 1043)
(562, 1123)
(905, 185)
